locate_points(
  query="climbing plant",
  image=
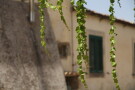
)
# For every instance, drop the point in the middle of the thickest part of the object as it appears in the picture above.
(119, 3)
(59, 4)
(82, 56)
(81, 38)
(42, 5)
(80, 29)
(112, 42)
(45, 4)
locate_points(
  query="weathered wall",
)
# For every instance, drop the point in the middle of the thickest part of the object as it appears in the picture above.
(62, 34)
(24, 65)
(23, 62)
(124, 55)
(98, 26)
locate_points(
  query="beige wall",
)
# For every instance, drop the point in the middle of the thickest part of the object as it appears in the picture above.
(97, 26)
(62, 34)
(124, 45)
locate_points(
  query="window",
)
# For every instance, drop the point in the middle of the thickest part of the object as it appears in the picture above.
(96, 54)
(63, 49)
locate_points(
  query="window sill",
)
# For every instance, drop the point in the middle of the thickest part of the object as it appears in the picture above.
(96, 75)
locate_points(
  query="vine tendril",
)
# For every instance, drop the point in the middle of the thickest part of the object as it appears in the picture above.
(42, 5)
(59, 6)
(51, 6)
(81, 37)
(119, 3)
(72, 2)
(112, 43)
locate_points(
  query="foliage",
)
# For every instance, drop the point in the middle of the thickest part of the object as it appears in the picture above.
(112, 42)
(59, 4)
(42, 5)
(45, 4)
(82, 56)
(119, 3)
(81, 37)
(82, 45)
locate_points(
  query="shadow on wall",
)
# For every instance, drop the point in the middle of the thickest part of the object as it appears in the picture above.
(23, 62)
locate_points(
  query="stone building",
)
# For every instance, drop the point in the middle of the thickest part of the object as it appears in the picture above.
(99, 74)
(25, 66)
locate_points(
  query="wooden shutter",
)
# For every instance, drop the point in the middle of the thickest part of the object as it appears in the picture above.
(96, 54)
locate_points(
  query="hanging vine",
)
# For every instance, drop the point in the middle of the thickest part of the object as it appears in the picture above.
(82, 45)
(73, 2)
(81, 37)
(59, 7)
(42, 5)
(51, 6)
(119, 3)
(45, 4)
(59, 4)
(112, 42)
(81, 34)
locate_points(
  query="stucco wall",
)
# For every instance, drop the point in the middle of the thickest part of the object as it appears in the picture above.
(124, 55)
(62, 34)
(98, 26)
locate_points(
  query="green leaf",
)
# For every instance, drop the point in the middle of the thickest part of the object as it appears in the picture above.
(81, 37)
(114, 64)
(112, 1)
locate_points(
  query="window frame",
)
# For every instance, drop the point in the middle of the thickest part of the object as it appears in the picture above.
(102, 34)
(97, 38)
(61, 47)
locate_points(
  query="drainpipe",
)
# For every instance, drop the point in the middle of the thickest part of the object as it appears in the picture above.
(32, 14)
(72, 44)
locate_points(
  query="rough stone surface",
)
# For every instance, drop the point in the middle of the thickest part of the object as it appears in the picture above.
(23, 62)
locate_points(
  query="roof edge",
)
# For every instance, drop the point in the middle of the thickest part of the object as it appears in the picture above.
(107, 17)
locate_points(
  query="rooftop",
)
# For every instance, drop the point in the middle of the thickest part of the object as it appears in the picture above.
(107, 17)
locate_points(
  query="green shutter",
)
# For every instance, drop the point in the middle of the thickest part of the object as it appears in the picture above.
(96, 54)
